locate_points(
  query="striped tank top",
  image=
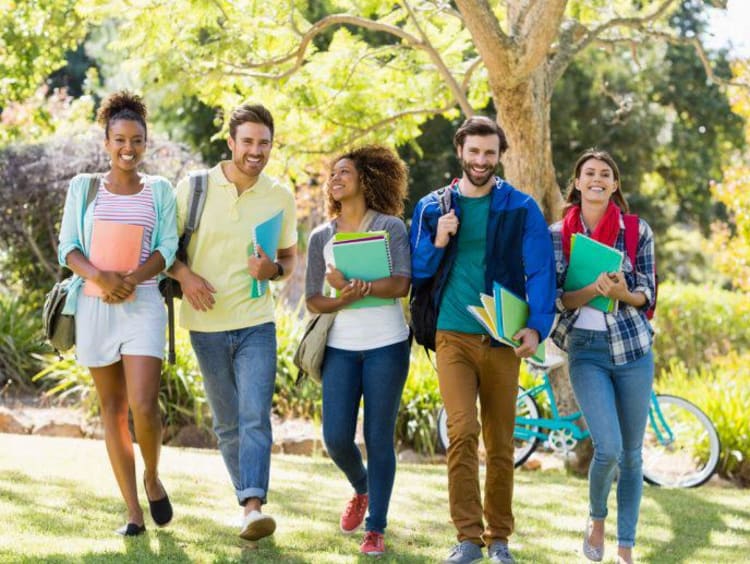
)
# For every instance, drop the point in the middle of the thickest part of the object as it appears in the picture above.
(133, 209)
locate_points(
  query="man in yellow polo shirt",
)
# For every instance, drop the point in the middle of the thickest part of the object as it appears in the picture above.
(234, 335)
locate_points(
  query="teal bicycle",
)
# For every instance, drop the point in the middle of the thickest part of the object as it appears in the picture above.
(681, 447)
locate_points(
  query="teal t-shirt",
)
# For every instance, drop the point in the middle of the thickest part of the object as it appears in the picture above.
(466, 279)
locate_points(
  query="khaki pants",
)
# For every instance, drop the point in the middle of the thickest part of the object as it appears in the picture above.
(468, 366)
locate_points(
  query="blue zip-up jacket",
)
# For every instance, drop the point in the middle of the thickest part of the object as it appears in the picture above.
(519, 252)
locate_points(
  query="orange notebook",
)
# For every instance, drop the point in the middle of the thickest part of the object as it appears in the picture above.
(116, 247)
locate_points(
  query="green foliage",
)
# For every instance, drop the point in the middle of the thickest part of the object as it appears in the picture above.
(34, 37)
(722, 391)
(416, 423)
(20, 340)
(68, 382)
(696, 324)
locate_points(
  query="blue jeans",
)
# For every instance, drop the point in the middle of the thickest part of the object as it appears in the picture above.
(378, 375)
(615, 401)
(239, 370)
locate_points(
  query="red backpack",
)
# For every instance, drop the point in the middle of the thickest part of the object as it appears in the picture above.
(631, 246)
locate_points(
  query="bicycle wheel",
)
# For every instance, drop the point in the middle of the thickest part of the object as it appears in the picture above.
(687, 458)
(524, 441)
(524, 447)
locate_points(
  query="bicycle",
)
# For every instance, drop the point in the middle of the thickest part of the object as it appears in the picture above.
(681, 448)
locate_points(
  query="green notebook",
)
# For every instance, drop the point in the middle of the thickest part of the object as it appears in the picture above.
(504, 315)
(365, 258)
(588, 259)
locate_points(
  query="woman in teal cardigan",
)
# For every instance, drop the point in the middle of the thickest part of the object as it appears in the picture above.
(120, 317)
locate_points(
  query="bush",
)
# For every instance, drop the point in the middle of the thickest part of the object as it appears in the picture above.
(722, 391)
(20, 341)
(696, 324)
(416, 423)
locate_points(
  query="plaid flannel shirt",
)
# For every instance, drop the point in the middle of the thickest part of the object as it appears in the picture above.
(630, 333)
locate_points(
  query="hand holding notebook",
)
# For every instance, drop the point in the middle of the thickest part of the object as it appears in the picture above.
(115, 247)
(366, 257)
(265, 235)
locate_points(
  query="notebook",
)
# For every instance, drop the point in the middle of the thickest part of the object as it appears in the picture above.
(364, 256)
(503, 315)
(115, 247)
(267, 235)
(588, 259)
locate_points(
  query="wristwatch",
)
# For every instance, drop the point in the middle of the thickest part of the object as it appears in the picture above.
(279, 271)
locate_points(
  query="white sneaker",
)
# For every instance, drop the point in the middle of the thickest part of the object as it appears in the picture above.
(257, 525)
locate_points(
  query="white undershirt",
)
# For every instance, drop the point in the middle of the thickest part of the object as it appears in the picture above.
(591, 319)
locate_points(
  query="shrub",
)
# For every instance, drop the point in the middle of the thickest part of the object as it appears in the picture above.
(20, 341)
(696, 324)
(722, 391)
(416, 423)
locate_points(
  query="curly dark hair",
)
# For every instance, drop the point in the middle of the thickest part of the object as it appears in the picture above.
(383, 177)
(121, 105)
(573, 197)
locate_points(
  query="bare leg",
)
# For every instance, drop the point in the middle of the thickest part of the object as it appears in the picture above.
(113, 399)
(624, 555)
(142, 374)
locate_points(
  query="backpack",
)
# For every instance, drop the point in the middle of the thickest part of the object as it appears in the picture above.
(422, 305)
(169, 287)
(631, 247)
(59, 328)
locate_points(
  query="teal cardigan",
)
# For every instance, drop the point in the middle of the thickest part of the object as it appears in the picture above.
(77, 224)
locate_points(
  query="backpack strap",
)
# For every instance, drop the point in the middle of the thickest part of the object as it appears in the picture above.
(445, 197)
(631, 236)
(92, 189)
(196, 201)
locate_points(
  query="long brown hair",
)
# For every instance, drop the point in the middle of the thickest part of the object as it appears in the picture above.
(573, 197)
(383, 177)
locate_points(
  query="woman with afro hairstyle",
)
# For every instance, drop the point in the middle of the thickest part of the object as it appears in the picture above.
(120, 317)
(367, 353)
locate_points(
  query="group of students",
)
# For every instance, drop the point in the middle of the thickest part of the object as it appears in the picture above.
(491, 233)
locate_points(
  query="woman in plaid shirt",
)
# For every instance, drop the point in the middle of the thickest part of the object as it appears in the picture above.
(610, 359)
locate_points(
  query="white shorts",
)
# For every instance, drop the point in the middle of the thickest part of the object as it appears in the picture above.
(105, 332)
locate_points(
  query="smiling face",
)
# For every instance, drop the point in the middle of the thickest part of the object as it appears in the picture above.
(126, 144)
(479, 155)
(343, 183)
(251, 148)
(596, 181)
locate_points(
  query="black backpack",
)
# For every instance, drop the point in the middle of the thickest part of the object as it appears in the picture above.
(169, 287)
(423, 304)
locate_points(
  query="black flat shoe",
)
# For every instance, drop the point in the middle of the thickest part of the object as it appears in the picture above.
(161, 509)
(131, 530)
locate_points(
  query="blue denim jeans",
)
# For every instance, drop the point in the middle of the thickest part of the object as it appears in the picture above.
(239, 372)
(378, 375)
(614, 400)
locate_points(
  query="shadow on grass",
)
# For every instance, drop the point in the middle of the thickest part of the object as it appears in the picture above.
(706, 518)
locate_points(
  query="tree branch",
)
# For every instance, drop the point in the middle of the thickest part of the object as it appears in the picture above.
(541, 25)
(458, 93)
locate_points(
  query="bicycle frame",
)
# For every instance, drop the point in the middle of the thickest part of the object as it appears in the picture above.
(567, 422)
(556, 423)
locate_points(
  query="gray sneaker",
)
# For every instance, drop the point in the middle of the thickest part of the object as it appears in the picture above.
(465, 552)
(498, 552)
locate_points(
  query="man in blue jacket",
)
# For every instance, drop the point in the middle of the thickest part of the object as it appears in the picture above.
(492, 233)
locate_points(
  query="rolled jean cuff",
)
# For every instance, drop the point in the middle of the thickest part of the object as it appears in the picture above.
(626, 543)
(247, 493)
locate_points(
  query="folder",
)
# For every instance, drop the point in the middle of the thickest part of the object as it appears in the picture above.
(267, 235)
(114, 247)
(588, 259)
(364, 256)
(503, 315)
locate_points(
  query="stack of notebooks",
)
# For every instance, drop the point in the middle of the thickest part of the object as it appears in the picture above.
(588, 259)
(364, 256)
(266, 235)
(503, 315)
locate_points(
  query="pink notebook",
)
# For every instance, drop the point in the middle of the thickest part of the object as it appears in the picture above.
(116, 247)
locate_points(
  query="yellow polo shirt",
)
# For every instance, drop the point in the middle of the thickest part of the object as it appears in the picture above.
(218, 248)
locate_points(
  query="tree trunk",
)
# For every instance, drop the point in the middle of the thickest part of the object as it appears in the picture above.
(524, 115)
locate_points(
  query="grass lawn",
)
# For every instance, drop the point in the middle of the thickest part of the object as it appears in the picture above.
(59, 503)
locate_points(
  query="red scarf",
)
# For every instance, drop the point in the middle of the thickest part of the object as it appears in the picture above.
(606, 230)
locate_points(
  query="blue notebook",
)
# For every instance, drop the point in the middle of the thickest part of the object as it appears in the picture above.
(267, 235)
(365, 258)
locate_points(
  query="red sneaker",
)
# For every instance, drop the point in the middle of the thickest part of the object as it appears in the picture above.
(354, 513)
(373, 544)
